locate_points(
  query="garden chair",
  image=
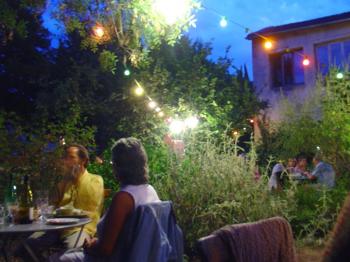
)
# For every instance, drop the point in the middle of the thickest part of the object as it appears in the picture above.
(267, 240)
(151, 234)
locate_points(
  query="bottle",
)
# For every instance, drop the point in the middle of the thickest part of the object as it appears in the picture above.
(11, 192)
(25, 211)
(10, 199)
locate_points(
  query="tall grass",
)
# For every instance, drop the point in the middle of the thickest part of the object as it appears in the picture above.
(211, 186)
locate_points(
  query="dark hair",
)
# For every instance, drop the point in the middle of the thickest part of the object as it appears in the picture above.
(82, 153)
(129, 160)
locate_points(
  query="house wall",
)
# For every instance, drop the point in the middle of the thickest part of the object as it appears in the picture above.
(306, 39)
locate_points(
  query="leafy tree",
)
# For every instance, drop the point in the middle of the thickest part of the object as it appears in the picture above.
(133, 26)
(14, 18)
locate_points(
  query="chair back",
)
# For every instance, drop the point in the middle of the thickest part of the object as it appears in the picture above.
(262, 241)
(151, 234)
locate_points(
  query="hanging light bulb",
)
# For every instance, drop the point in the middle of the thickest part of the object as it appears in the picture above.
(268, 44)
(191, 122)
(223, 22)
(172, 10)
(152, 104)
(99, 31)
(139, 91)
(127, 72)
(306, 61)
(340, 75)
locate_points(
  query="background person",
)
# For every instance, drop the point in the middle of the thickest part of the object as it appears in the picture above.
(323, 172)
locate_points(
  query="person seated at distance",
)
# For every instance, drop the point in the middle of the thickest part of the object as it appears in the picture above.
(323, 172)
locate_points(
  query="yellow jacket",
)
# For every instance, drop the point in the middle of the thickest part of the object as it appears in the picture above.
(87, 195)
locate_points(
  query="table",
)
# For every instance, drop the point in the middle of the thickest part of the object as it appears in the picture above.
(7, 230)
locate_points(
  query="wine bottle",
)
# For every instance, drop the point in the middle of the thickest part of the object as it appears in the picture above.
(25, 211)
(11, 192)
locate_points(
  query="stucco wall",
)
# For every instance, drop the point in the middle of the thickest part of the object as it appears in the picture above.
(307, 40)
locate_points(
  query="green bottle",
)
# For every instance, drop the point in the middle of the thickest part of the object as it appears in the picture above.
(25, 211)
(11, 192)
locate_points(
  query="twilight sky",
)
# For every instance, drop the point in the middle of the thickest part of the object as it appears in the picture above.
(254, 14)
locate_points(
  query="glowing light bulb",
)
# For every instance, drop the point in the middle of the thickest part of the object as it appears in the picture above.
(139, 91)
(318, 148)
(160, 114)
(152, 104)
(191, 122)
(340, 75)
(306, 61)
(99, 31)
(235, 133)
(268, 44)
(127, 72)
(223, 22)
(251, 121)
(177, 126)
(158, 109)
(172, 10)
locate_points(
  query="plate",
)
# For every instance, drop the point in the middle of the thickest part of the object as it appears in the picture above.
(61, 221)
(72, 216)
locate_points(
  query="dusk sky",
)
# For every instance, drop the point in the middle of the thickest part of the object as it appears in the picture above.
(254, 14)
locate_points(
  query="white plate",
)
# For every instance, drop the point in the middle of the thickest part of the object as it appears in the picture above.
(61, 221)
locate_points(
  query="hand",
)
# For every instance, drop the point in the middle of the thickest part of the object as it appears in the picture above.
(89, 242)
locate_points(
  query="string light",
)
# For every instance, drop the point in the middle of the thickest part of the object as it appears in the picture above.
(223, 22)
(177, 126)
(306, 61)
(160, 114)
(172, 10)
(99, 31)
(268, 44)
(191, 122)
(235, 133)
(158, 110)
(340, 75)
(139, 91)
(127, 72)
(152, 104)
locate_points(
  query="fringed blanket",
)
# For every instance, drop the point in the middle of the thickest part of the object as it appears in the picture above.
(269, 240)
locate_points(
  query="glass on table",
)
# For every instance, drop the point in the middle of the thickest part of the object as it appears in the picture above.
(2, 215)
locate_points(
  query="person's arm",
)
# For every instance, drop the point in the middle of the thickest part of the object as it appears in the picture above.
(121, 207)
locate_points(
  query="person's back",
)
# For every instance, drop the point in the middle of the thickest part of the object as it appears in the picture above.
(275, 178)
(325, 174)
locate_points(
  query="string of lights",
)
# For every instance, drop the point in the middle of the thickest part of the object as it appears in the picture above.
(100, 33)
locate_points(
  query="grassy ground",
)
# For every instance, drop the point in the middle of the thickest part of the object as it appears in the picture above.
(309, 254)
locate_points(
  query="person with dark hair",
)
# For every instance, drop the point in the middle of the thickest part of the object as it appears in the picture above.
(130, 167)
(78, 189)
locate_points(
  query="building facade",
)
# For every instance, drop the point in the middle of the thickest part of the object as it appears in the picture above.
(279, 71)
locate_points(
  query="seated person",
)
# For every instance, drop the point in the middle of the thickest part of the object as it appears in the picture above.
(78, 189)
(291, 165)
(275, 180)
(323, 172)
(131, 170)
(299, 172)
